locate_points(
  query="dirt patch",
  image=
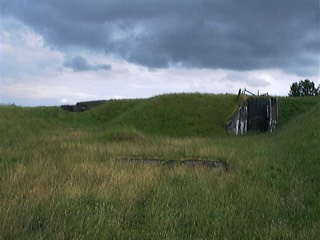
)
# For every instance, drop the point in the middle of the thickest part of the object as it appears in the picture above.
(216, 164)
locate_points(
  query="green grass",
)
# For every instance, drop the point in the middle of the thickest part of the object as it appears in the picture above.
(291, 107)
(61, 176)
(181, 115)
(173, 115)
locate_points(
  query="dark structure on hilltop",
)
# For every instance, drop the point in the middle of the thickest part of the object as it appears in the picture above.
(255, 113)
(83, 106)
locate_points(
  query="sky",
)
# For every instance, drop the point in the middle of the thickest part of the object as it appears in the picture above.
(55, 52)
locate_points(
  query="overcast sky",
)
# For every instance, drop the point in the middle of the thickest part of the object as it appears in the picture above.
(57, 52)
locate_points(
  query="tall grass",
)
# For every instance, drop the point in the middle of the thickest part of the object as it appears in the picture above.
(62, 178)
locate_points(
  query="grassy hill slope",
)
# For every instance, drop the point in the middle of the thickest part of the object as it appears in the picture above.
(179, 115)
(291, 107)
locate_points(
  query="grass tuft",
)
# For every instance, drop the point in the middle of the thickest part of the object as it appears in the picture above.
(122, 134)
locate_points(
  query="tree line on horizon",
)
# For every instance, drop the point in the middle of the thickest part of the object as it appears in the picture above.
(304, 88)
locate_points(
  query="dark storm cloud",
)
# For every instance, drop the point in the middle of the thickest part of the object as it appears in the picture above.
(229, 34)
(78, 64)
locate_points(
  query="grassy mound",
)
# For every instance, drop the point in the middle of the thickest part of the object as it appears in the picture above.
(179, 115)
(292, 107)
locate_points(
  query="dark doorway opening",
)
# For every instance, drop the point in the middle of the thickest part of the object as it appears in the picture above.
(258, 114)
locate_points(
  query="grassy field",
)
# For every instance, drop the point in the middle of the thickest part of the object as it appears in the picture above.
(61, 174)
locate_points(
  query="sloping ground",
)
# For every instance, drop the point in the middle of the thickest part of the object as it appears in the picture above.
(18, 121)
(176, 115)
(182, 115)
(298, 141)
(291, 107)
(110, 110)
(293, 168)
